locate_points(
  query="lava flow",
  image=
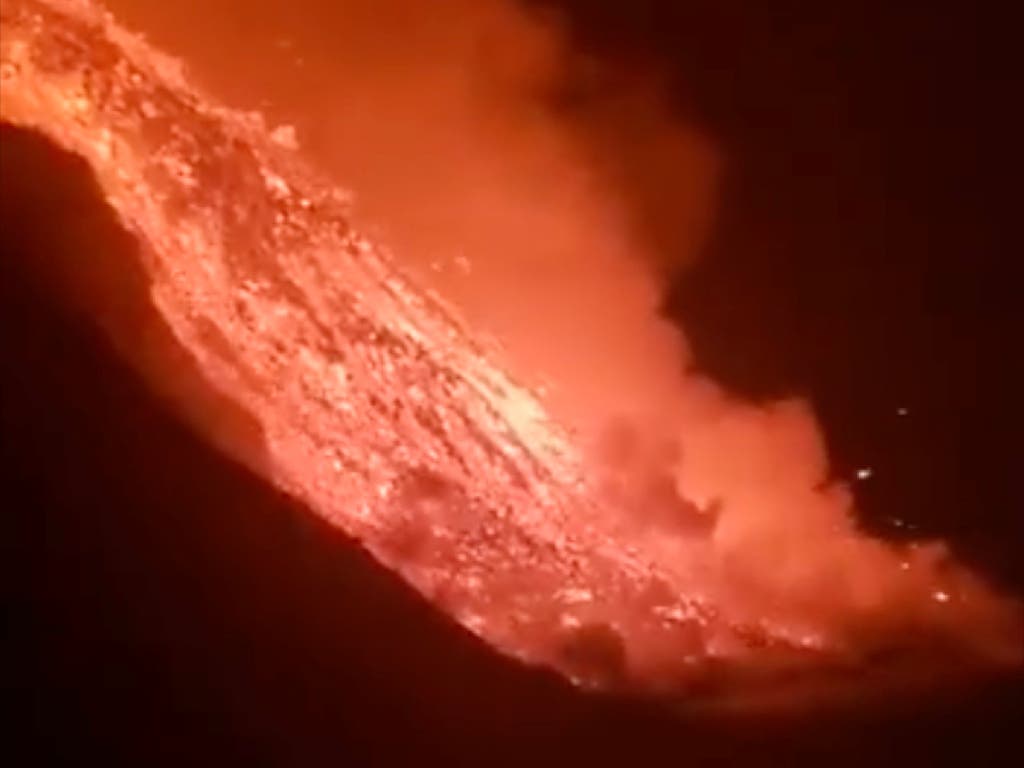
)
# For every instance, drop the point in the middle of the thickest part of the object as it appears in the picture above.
(389, 418)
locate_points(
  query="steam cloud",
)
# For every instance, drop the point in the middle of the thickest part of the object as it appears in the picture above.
(533, 213)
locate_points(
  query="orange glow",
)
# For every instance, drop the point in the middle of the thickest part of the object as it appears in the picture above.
(625, 521)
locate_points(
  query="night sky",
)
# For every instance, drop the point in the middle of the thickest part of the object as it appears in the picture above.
(862, 251)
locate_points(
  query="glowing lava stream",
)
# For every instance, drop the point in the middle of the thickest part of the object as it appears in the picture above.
(379, 409)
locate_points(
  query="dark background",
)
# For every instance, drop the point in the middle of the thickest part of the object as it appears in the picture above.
(863, 255)
(168, 607)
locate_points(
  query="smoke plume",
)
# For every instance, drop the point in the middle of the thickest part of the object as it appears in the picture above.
(526, 184)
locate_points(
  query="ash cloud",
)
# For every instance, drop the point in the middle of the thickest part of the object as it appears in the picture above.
(544, 195)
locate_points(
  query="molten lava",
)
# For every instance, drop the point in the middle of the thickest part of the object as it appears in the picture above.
(385, 414)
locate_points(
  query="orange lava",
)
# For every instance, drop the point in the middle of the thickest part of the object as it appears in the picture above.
(388, 417)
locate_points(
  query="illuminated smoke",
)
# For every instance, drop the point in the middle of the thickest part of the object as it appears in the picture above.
(530, 217)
